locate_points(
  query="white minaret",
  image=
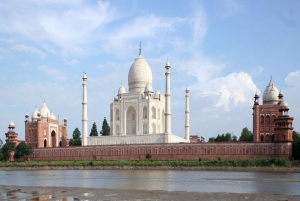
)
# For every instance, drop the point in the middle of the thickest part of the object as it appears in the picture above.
(168, 101)
(84, 112)
(187, 114)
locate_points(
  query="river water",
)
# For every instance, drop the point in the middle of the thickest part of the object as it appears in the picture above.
(169, 180)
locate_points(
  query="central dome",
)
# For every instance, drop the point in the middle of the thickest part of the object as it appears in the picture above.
(270, 96)
(139, 75)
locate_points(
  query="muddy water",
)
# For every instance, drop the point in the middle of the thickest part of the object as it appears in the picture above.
(165, 180)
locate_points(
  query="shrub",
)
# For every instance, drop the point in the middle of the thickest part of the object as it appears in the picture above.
(148, 155)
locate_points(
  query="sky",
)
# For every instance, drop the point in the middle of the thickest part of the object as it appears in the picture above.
(224, 51)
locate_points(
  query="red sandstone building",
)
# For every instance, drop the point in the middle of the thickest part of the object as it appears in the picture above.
(44, 129)
(271, 122)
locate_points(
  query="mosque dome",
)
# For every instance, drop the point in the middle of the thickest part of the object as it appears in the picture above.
(52, 116)
(156, 94)
(270, 96)
(121, 90)
(35, 114)
(284, 104)
(11, 124)
(139, 75)
(45, 112)
(148, 88)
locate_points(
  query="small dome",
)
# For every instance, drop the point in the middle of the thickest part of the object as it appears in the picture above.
(168, 64)
(187, 90)
(84, 76)
(139, 74)
(156, 94)
(270, 96)
(52, 116)
(284, 104)
(11, 124)
(148, 88)
(45, 112)
(121, 90)
(34, 114)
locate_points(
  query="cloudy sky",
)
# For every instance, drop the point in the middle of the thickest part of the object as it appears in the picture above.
(223, 50)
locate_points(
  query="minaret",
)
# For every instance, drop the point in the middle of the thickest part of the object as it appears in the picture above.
(187, 115)
(84, 112)
(256, 118)
(168, 101)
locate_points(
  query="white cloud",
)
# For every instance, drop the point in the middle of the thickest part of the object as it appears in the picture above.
(71, 62)
(226, 92)
(29, 49)
(231, 7)
(293, 78)
(25, 63)
(200, 25)
(56, 74)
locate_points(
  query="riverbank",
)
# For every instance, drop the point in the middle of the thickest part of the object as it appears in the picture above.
(198, 168)
(63, 193)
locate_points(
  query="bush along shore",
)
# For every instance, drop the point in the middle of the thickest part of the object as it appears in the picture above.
(270, 164)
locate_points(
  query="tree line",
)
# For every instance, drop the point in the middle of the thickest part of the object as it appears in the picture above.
(22, 150)
(76, 136)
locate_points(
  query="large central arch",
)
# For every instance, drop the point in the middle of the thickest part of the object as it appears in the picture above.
(131, 121)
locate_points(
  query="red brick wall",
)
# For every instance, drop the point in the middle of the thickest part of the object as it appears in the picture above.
(166, 151)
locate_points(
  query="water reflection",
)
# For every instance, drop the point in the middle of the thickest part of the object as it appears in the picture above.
(190, 181)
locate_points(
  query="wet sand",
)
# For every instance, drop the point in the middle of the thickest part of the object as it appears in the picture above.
(63, 193)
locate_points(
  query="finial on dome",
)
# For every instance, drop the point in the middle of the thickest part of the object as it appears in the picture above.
(271, 77)
(140, 50)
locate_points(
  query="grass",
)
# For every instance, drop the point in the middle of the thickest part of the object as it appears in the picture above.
(278, 162)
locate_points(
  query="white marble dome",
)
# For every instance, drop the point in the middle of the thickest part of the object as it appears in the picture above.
(45, 112)
(11, 124)
(34, 114)
(139, 74)
(270, 96)
(52, 116)
(121, 90)
(284, 104)
(156, 94)
(148, 88)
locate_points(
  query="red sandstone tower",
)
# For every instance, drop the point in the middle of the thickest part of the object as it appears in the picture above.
(272, 111)
(11, 135)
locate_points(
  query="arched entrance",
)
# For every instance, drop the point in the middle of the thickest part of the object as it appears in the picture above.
(60, 143)
(130, 121)
(45, 143)
(53, 137)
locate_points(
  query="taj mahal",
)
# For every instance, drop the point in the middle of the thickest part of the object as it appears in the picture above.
(139, 116)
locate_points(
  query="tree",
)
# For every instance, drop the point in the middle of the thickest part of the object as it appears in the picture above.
(76, 139)
(7, 148)
(211, 139)
(246, 135)
(1, 143)
(234, 138)
(94, 131)
(105, 128)
(23, 150)
(296, 145)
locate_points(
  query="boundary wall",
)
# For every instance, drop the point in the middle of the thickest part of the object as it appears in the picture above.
(166, 151)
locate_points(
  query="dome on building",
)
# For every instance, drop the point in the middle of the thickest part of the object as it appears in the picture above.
(284, 104)
(45, 112)
(35, 114)
(148, 88)
(52, 116)
(139, 74)
(157, 94)
(121, 90)
(11, 124)
(270, 96)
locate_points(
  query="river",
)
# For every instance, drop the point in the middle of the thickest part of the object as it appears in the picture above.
(168, 180)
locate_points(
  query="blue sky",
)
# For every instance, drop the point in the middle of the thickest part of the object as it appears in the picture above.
(223, 50)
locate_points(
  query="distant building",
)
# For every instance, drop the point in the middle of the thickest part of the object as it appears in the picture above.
(44, 130)
(271, 122)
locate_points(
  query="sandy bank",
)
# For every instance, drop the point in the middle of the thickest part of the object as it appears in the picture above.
(62, 193)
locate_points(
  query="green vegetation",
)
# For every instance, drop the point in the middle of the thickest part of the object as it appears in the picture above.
(246, 136)
(279, 162)
(76, 140)
(7, 148)
(148, 155)
(94, 131)
(23, 150)
(105, 128)
(296, 146)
